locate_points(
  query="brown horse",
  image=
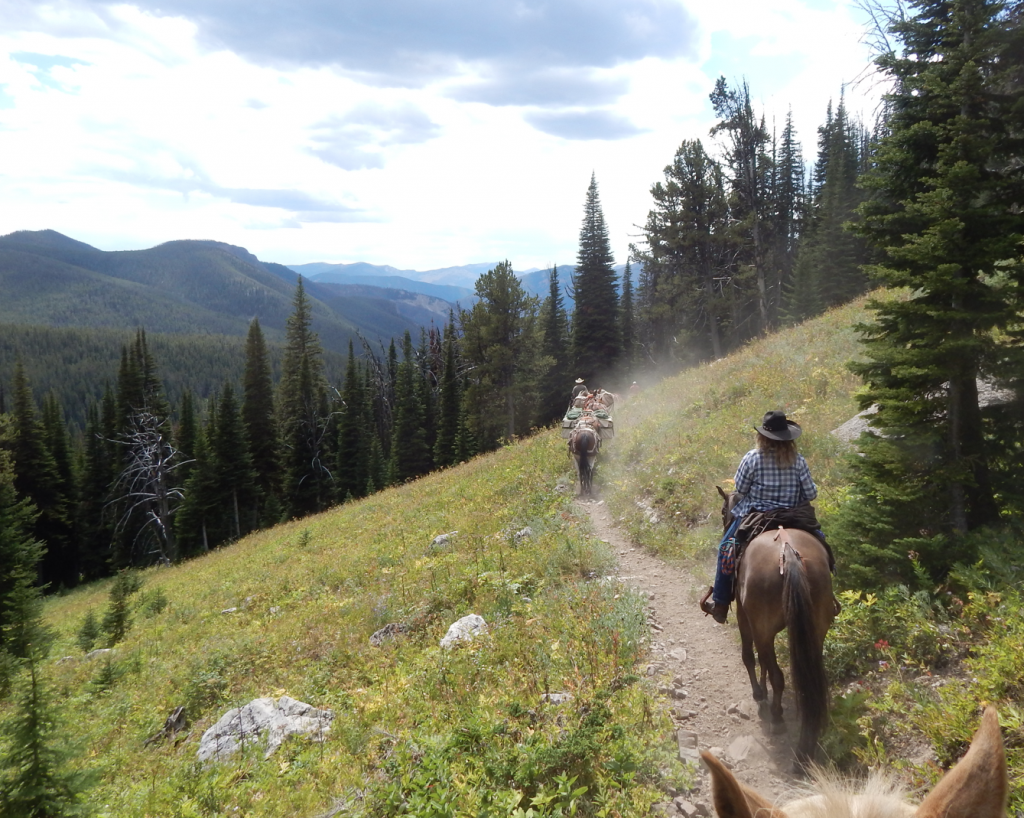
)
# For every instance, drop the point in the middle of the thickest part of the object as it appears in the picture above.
(783, 582)
(584, 442)
(977, 787)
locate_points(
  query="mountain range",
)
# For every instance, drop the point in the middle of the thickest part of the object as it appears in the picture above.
(193, 287)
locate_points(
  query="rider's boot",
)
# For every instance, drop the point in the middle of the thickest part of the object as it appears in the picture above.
(717, 611)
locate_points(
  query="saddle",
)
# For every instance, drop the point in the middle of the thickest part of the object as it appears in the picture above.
(757, 522)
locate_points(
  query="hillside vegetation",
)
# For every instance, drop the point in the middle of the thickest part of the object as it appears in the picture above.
(187, 288)
(423, 731)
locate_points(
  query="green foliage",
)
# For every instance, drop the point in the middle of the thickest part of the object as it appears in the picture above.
(941, 212)
(89, 633)
(596, 330)
(20, 554)
(554, 760)
(894, 628)
(687, 254)
(502, 343)
(117, 617)
(36, 780)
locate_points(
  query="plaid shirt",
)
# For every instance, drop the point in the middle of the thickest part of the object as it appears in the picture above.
(765, 486)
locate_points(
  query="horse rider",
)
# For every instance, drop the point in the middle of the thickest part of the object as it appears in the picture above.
(772, 478)
(578, 389)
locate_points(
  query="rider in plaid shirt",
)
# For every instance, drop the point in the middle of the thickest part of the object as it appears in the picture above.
(771, 476)
(764, 485)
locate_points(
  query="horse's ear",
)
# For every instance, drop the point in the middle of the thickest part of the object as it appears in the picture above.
(720, 491)
(977, 786)
(732, 799)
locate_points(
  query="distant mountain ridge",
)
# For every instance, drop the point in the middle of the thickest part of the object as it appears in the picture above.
(454, 284)
(190, 287)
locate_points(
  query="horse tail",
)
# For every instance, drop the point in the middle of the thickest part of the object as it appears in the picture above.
(806, 662)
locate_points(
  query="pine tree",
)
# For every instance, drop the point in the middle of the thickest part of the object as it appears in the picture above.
(501, 341)
(449, 401)
(788, 203)
(143, 511)
(305, 425)
(38, 480)
(747, 139)
(596, 338)
(20, 555)
(55, 437)
(944, 211)
(556, 383)
(233, 474)
(95, 528)
(353, 446)
(628, 323)
(197, 507)
(687, 259)
(261, 424)
(410, 456)
(37, 781)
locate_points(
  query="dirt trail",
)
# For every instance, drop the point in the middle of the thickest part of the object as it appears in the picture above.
(698, 667)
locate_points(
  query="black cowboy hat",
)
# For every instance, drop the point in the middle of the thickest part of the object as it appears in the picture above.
(774, 425)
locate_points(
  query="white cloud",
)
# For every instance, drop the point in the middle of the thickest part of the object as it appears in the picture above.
(452, 145)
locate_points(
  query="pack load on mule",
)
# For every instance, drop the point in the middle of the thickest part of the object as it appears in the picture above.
(591, 409)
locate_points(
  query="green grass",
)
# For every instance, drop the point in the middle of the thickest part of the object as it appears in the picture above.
(306, 598)
(426, 732)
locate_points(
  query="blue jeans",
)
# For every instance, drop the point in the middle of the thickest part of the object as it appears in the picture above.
(722, 593)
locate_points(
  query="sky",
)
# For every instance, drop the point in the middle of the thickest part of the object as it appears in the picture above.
(416, 133)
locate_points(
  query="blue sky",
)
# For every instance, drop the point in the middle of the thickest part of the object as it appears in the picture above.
(417, 133)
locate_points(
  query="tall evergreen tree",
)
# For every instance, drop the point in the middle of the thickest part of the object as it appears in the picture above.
(687, 259)
(195, 516)
(55, 437)
(234, 477)
(628, 323)
(261, 425)
(596, 336)
(944, 211)
(502, 343)
(20, 555)
(449, 402)
(95, 527)
(410, 454)
(751, 174)
(353, 448)
(556, 383)
(143, 499)
(305, 424)
(38, 480)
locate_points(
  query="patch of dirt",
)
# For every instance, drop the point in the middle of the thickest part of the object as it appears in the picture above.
(696, 664)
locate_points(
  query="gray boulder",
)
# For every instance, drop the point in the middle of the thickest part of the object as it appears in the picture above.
(464, 630)
(263, 720)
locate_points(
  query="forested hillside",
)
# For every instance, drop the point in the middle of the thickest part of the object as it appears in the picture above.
(76, 365)
(186, 287)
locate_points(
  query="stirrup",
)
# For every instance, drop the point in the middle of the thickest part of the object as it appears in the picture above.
(719, 613)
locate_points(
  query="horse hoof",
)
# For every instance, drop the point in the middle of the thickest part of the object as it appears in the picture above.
(763, 710)
(778, 727)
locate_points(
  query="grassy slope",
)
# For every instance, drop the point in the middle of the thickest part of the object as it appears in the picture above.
(308, 596)
(413, 722)
(674, 444)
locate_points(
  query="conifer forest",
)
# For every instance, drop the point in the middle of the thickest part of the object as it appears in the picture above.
(748, 231)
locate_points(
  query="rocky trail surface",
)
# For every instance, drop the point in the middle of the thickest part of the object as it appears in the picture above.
(696, 664)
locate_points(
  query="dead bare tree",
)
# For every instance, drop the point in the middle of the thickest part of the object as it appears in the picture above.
(146, 485)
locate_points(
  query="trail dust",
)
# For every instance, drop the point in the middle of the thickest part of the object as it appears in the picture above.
(696, 665)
